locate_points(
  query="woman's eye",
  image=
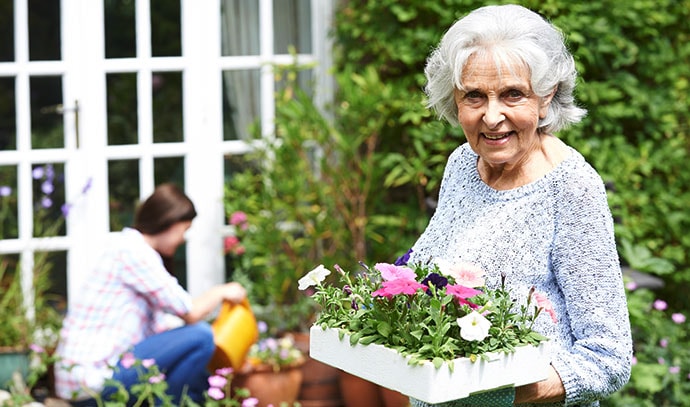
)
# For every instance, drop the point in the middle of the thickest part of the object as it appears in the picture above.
(473, 95)
(514, 95)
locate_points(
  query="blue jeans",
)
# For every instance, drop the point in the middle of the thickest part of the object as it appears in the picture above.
(182, 354)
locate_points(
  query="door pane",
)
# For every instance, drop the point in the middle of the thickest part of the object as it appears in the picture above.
(122, 108)
(167, 107)
(169, 169)
(8, 121)
(48, 199)
(241, 104)
(6, 31)
(123, 192)
(166, 39)
(240, 27)
(9, 229)
(292, 25)
(44, 30)
(120, 33)
(47, 129)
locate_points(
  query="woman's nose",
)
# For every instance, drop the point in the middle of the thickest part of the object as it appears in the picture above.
(493, 115)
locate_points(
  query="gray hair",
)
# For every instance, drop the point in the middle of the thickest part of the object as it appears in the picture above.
(508, 33)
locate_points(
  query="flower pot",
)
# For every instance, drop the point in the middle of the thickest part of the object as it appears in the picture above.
(386, 367)
(320, 384)
(12, 360)
(359, 392)
(269, 386)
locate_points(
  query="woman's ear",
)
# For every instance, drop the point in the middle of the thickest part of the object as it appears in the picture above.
(545, 102)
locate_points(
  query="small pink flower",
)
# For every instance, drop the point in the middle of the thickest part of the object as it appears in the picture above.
(391, 272)
(661, 361)
(239, 218)
(157, 378)
(128, 360)
(660, 305)
(634, 360)
(37, 348)
(464, 273)
(216, 393)
(250, 402)
(390, 288)
(217, 381)
(462, 293)
(663, 343)
(545, 304)
(147, 363)
(678, 318)
(674, 369)
(631, 286)
(225, 371)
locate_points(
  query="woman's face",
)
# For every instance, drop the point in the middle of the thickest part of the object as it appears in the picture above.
(173, 237)
(498, 111)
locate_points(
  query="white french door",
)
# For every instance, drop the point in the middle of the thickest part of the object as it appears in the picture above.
(137, 93)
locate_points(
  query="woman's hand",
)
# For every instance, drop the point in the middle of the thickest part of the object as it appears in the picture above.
(233, 292)
(547, 391)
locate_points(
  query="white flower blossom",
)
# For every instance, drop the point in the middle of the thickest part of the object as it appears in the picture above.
(313, 277)
(474, 327)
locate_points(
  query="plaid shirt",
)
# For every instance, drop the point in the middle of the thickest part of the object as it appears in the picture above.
(118, 307)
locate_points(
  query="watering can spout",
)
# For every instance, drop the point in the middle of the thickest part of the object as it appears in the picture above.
(234, 332)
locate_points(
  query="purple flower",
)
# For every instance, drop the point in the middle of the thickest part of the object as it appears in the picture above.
(65, 208)
(402, 260)
(38, 172)
(262, 326)
(5, 190)
(217, 381)
(660, 305)
(436, 280)
(46, 202)
(678, 318)
(87, 186)
(47, 187)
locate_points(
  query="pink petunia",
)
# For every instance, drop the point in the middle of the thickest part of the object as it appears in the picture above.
(216, 393)
(224, 371)
(157, 378)
(128, 360)
(462, 293)
(390, 288)
(678, 318)
(464, 273)
(391, 272)
(239, 218)
(660, 305)
(545, 304)
(250, 402)
(217, 381)
(147, 363)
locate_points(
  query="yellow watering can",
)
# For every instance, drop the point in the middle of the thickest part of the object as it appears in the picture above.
(234, 332)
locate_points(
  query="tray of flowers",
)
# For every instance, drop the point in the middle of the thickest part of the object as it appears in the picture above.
(432, 332)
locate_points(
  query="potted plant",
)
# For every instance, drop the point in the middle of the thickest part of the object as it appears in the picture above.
(272, 371)
(433, 331)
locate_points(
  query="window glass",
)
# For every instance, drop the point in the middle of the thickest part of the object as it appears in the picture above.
(9, 229)
(240, 27)
(165, 28)
(7, 31)
(241, 104)
(167, 106)
(292, 26)
(122, 196)
(47, 130)
(44, 30)
(120, 33)
(8, 121)
(122, 108)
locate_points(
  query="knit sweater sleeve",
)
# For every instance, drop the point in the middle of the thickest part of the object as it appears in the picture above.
(587, 271)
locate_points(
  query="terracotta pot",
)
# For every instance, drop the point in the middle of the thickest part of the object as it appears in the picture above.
(320, 385)
(271, 387)
(358, 392)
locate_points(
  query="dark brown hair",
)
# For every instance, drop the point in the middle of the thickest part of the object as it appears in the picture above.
(165, 207)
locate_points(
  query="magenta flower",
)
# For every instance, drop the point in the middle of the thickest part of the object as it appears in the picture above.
(390, 288)
(678, 318)
(462, 293)
(216, 393)
(224, 371)
(250, 402)
(674, 369)
(128, 360)
(392, 272)
(217, 381)
(663, 343)
(239, 218)
(147, 363)
(660, 305)
(631, 286)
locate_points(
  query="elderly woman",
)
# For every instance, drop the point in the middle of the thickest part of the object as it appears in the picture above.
(515, 200)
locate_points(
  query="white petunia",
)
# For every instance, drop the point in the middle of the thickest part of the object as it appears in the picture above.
(474, 327)
(313, 277)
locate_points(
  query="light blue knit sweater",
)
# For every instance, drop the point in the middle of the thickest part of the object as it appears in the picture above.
(555, 234)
